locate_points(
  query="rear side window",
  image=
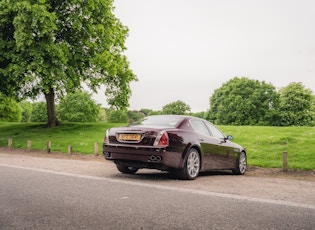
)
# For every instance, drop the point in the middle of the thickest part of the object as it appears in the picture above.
(199, 127)
(214, 131)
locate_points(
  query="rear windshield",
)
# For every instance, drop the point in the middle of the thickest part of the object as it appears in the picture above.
(165, 121)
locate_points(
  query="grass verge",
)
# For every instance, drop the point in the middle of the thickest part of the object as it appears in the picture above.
(264, 145)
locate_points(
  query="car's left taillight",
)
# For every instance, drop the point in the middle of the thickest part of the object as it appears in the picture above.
(162, 139)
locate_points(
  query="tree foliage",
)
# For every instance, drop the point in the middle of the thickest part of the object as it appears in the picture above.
(296, 105)
(26, 111)
(102, 116)
(199, 114)
(242, 101)
(146, 112)
(10, 110)
(118, 116)
(78, 107)
(135, 115)
(39, 112)
(50, 47)
(177, 107)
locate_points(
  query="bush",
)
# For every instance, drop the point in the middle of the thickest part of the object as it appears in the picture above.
(78, 107)
(118, 116)
(39, 112)
(10, 110)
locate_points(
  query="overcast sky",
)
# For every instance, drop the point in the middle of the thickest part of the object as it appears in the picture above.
(185, 49)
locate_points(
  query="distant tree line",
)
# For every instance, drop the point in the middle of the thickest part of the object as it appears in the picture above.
(240, 101)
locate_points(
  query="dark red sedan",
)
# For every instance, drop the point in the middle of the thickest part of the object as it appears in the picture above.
(182, 144)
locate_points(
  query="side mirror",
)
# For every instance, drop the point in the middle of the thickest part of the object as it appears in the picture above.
(230, 137)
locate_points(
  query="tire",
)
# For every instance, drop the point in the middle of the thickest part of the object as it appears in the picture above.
(241, 164)
(191, 165)
(126, 169)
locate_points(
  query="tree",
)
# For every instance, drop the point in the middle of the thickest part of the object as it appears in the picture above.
(242, 101)
(157, 112)
(199, 114)
(102, 116)
(39, 113)
(26, 111)
(146, 112)
(78, 107)
(135, 115)
(50, 47)
(118, 116)
(177, 107)
(10, 110)
(296, 105)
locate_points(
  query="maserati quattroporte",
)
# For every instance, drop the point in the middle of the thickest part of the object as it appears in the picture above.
(184, 145)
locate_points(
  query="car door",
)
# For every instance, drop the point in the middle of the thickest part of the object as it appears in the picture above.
(224, 152)
(213, 153)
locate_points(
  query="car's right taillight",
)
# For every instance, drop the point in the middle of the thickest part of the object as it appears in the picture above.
(106, 139)
(162, 139)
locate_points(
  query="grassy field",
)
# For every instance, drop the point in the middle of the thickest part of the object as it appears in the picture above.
(264, 145)
(81, 136)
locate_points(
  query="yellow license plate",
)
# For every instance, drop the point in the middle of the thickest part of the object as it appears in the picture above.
(129, 137)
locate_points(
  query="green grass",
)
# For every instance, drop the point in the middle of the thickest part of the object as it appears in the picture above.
(264, 145)
(81, 136)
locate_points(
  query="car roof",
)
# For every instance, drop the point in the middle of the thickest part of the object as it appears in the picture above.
(176, 115)
(183, 117)
(173, 115)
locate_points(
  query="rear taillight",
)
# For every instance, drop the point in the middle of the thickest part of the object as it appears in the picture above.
(162, 139)
(106, 140)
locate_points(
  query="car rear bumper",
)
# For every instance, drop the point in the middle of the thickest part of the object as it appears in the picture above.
(144, 157)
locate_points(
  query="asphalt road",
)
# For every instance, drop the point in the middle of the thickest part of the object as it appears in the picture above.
(33, 197)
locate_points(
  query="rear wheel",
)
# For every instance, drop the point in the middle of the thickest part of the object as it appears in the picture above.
(127, 170)
(192, 165)
(241, 164)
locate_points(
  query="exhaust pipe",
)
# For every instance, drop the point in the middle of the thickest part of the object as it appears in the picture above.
(154, 158)
(107, 155)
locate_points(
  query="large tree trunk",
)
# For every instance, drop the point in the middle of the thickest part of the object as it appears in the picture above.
(51, 109)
